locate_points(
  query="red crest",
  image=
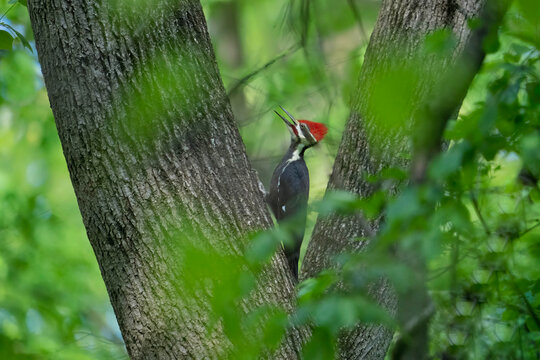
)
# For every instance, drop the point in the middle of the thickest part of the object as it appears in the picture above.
(317, 129)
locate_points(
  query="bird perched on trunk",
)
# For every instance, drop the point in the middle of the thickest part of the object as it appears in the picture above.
(289, 187)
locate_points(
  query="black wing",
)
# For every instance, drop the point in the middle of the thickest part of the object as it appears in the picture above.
(289, 189)
(289, 192)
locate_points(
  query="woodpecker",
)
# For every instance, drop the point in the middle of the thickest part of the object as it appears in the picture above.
(289, 187)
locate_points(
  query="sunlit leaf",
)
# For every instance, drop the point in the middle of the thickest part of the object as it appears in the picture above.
(441, 43)
(17, 77)
(449, 162)
(530, 147)
(529, 10)
(264, 246)
(321, 346)
(6, 40)
(20, 36)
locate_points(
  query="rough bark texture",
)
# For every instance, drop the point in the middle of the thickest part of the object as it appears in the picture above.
(402, 24)
(415, 308)
(152, 167)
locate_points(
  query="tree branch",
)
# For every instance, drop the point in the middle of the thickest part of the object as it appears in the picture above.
(247, 78)
(446, 98)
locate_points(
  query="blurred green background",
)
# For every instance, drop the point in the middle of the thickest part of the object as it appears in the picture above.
(53, 302)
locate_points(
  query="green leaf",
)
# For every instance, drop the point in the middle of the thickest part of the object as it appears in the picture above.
(275, 328)
(406, 206)
(533, 91)
(17, 77)
(20, 36)
(510, 94)
(489, 115)
(6, 40)
(530, 10)
(23, 2)
(373, 205)
(398, 82)
(264, 245)
(491, 42)
(394, 173)
(343, 202)
(337, 201)
(313, 288)
(530, 149)
(449, 162)
(440, 42)
(335, 312)
(523, 29)
(321, 346)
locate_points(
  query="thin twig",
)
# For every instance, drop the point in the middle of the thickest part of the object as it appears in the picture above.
(530, 308)
(358, 17)
(476, 207)
(11, 7)
(529, 229)
(243, 81)
(305, 18)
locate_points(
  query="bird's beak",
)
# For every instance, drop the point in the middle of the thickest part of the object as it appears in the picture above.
(287, 122)
(294, 123)
(292, 117)
(294, 126)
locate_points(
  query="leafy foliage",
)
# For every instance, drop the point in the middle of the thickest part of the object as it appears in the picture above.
(475, 221)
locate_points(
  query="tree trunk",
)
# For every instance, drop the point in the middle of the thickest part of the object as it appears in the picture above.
(156, 162)
(402, 24)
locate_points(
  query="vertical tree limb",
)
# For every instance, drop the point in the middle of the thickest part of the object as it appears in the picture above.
(156, 162)
(415, 307)
(402, 25)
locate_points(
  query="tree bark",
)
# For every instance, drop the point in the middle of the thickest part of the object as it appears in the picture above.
(156, 162)
(368, 146)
